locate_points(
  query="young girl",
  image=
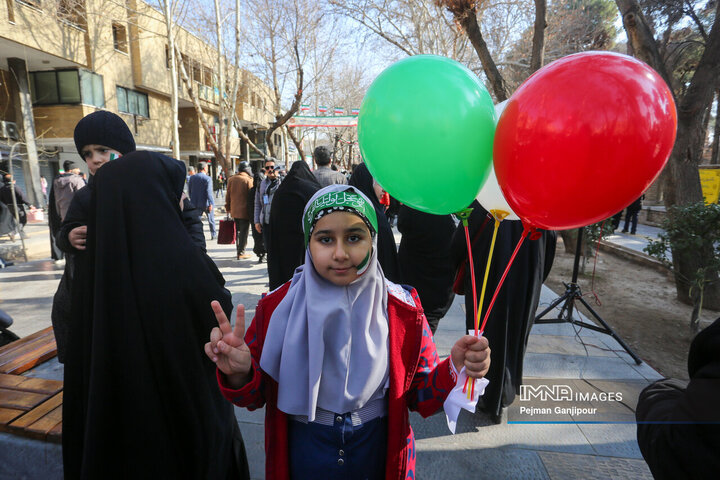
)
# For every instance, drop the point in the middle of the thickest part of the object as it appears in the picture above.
(338, 355)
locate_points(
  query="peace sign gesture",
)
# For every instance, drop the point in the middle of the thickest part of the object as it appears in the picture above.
(227, 348)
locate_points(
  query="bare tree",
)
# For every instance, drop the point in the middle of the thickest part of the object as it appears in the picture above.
(694, 92)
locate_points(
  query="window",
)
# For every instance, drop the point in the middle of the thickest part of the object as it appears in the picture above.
(72, 11)
(133, 102)
(119, 38)
(66, 87)
(91, 88)
(208, 76)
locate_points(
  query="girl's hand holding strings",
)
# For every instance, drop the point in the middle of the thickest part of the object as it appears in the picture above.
(473, 353)
(227, 348)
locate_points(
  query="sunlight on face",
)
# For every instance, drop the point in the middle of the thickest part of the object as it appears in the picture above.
(338, 245)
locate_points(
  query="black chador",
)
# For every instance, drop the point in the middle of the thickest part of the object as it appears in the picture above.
(287, 242)
(140, 398)
(424, 257)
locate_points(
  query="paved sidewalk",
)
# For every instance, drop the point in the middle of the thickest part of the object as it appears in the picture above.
(480, 449)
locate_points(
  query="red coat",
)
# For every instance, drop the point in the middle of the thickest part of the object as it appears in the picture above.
(417, 382)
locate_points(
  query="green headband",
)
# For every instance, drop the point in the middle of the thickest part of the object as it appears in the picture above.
(343, 201)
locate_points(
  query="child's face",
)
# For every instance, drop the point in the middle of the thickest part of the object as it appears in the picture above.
(96, 156)
(338, 245)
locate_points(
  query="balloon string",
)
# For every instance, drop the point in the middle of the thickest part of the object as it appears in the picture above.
(498, 215)
(597, 254)
(472, 268)
(474, 288)
(525, 233)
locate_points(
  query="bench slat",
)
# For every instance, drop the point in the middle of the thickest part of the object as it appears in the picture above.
(30, 384)
(20, 400)
(22, 355)
(7, 415)
(39, 412)
(38, 336)
(30, 359)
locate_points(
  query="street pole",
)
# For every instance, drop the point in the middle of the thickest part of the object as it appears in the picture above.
(14, 199)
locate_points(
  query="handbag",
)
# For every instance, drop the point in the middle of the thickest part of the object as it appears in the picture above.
(226, 235)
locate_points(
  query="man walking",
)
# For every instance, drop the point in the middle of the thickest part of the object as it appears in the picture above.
(61, 194)
(324, 174)
(236, 204)
(263, 199)
(201, 195)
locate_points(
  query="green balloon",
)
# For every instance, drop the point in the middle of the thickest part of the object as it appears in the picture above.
(426, 130)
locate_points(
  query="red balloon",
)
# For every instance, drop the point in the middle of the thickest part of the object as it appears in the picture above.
(582, 138)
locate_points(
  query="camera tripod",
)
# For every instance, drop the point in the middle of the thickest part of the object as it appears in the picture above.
(572, 292)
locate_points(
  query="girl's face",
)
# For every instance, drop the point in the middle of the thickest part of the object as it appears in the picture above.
(338, 246)
(96, 156)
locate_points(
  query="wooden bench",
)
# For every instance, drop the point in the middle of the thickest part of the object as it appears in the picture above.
(22, 355)
(31, 407)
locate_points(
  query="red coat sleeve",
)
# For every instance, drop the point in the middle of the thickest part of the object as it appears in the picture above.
(433, 380)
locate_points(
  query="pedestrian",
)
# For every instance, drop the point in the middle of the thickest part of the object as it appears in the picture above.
(201, 195)
(387, 248)
(339, 354)
(63, 190)
(99, 137)
(324, 174)
(140, 398)
(236, 204)
(631, 215)
(513, 313)
(286, 235)
(425, 260)
(7, 192)
(258, 242)
(43, 188)
(263, 202)
(678, 422)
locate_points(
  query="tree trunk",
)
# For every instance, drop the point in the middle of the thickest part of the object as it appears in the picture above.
(538, 44)
(466, 15)
(173, 80)
(198, 110)
(297, 142)
(682, 182)
(715, 154)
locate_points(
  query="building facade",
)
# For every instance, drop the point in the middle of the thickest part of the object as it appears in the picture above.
(63, 59)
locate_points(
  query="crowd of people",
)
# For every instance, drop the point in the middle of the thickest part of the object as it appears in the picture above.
(338, 351)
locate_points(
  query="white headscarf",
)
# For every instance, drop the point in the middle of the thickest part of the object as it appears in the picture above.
(327, 345)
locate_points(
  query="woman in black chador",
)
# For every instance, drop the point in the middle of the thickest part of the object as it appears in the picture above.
(387, 248)
(140, 396)
(286, 234)
(424, 257)
(513, 314)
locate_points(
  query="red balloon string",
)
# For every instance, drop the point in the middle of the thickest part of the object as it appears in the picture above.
(597, 254)
(525, 233)
(472, 269)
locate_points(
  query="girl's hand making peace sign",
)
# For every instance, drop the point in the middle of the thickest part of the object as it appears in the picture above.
(227, 348)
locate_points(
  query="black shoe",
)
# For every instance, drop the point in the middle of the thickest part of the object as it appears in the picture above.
(261, 258)
(624, 231)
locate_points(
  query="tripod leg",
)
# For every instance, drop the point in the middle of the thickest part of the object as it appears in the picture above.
(610, 331)
(555, 303)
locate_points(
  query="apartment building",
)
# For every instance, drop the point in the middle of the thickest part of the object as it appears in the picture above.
(63, 59)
